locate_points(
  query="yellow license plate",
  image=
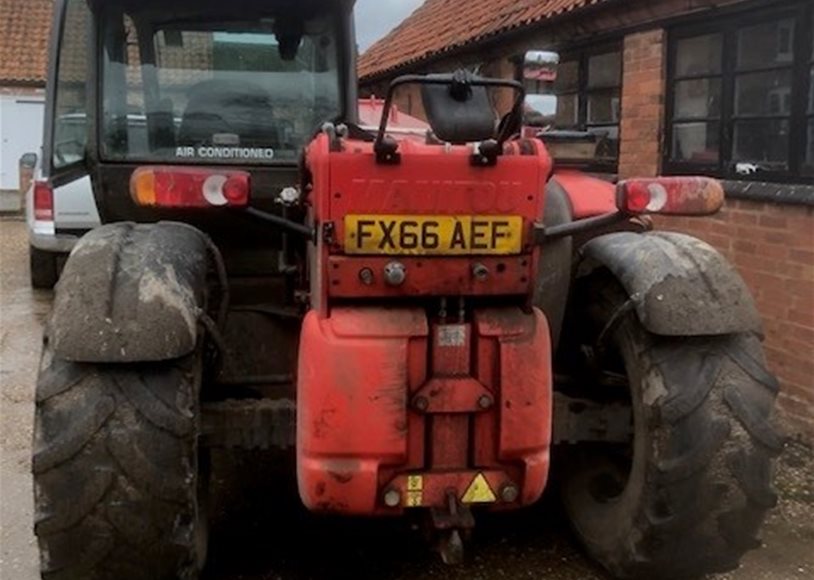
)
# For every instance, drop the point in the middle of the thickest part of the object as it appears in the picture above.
(433, 235)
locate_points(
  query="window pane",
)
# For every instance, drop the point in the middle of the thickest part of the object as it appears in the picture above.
(696, 142)
(762, 142)
(567, 111)
(603, 108)
(766, 93)
(766, 44)
(607, 146)
(698, 99)
(535, 87)
(567, 77)
(219, 89)
(70, 115)
(605, 70)
(700, 55)
(811, 93)
(810, 150)
(539, 110)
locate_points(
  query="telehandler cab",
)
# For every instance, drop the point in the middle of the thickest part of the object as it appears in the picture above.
(430, 319)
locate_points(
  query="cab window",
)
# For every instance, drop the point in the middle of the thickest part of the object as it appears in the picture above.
(70, 134)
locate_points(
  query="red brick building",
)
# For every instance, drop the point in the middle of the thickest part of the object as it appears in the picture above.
(714, 87)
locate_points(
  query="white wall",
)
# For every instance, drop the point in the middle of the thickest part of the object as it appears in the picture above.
(21, 119)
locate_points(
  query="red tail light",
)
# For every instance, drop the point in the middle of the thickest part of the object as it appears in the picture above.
(189, 187)
(43, 201)
(670, 195)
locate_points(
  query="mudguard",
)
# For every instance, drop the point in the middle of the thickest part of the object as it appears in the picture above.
(680, 286)
(554, 268)
(129, 293)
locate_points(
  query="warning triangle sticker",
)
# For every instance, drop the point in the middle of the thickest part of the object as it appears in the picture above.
(479, 491)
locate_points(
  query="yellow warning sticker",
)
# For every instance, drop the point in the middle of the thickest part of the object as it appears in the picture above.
(479, 491)
(415, 482)
(415, 491)
(414, 499)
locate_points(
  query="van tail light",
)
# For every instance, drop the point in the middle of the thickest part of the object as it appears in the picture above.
(43, 201)
(182, 187)
(670, 195)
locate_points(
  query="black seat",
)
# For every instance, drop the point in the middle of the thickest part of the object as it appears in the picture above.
(458, 112)
(220, 107)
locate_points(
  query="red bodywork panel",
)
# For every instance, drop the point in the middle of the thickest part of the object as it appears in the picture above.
(361, 431)
(396, 401)
(431, 276)
(588, 195)
(370, 115)
(430, 180)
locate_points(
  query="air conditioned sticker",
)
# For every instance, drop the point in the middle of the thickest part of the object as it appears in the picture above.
(231, 153)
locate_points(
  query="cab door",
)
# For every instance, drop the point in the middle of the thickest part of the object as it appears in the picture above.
(67, 114)
(69, 121)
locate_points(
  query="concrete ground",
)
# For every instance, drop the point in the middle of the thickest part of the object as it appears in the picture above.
(265, 535)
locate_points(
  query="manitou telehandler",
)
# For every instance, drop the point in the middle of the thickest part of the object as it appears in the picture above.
(431, 319)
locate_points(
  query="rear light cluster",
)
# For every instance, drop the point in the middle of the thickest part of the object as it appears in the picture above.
(43, 201)
(184, 187)
(670, 195)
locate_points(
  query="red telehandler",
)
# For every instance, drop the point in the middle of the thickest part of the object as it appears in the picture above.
(430, 321)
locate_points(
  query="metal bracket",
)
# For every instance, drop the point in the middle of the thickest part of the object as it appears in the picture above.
(329, 233)
(249, 424)
(485, 154)
(387, 151)
(453, 395)
(580, 420)
(448, 524)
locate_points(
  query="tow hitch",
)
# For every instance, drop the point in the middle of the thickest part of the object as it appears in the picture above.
(449, 527)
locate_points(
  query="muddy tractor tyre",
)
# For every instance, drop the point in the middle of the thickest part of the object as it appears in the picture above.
(689, 494)
(44, 268)
(115, 467)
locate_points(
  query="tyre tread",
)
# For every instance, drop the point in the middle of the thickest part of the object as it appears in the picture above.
(707, 482)
(110, 451)
(86, 422)
(735, 411)
(43, 268)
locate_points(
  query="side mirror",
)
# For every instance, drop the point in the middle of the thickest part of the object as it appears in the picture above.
(539, 74)
(540, 65)
(28, 160)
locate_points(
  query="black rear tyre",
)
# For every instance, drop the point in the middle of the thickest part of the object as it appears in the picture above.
(44, 268)
(690, 493)
(115, 468)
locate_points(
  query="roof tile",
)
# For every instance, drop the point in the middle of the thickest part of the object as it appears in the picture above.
(435, 27)
(439, 26)
(25, 26)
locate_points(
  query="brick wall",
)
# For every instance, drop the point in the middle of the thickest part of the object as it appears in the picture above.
(772, 246)
(642, 119)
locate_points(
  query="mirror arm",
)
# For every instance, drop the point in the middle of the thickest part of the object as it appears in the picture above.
(543, 234)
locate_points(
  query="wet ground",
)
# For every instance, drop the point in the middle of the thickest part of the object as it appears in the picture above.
(265, 535)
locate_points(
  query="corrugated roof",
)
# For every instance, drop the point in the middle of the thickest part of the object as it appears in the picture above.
(25, 26)
(439, 26)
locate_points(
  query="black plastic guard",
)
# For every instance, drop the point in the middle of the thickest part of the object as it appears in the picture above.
(680, 285)
(129, 293)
